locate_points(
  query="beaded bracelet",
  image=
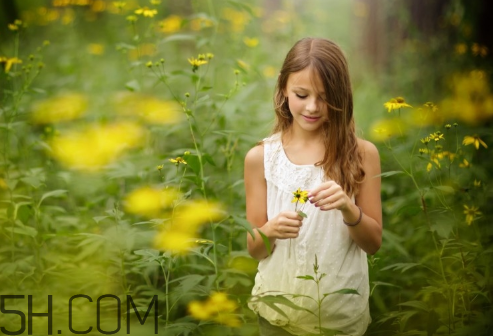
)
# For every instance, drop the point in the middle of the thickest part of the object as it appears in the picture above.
(359, 219)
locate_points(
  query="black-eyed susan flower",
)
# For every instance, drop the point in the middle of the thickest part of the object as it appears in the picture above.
(471, 213)
(437, 136)
(146, 11)
(396, 104)
(178, 160)
(468, 140)
(196, 63)
(300, 196)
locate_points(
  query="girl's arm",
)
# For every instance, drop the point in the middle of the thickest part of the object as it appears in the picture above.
(329, 195)
(368, 233)
(285, 225)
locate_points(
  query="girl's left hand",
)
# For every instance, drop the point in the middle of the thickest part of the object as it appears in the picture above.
(328, 196)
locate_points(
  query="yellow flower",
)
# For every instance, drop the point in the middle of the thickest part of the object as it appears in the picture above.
(178, 235)
(174, 240)
(178, 160)
(471, 213)
(395, 104)
(13, 27)
(119, 4)
(468, 140)
(9, 62)
(250, 42)
(300, 196)
(95, 49)
(150, 202)
(146, 11)
(384, 129)
(95, 146)
(477, 183)
(131, 18)
(218, 308)
(147, 108)
(196, 62)
(460, 48)
(171, 24)
(62, 108)
(465, 164)
(437, 136)
(155, 2)
(160, 167)
(200, 23)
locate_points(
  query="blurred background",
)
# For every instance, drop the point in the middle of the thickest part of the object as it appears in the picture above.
(117, 115)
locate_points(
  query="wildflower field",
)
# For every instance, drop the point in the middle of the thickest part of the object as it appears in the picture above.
(123, 128)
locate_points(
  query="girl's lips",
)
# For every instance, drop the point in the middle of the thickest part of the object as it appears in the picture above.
(310, 119)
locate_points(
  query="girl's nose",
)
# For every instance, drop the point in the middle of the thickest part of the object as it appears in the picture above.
(312, 105)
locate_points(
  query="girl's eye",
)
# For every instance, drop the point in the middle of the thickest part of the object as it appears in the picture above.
(300, 96)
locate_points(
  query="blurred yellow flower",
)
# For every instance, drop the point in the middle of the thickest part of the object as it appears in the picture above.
(396, 104)
(9, 62)
(150, 202)
(195, 213)
(174, 240)
(145, 49)
(95, 48)
(155, 2)
(147, 108)
(243, 65)
(460, 48)
(119, 4)
(237, 19)
(471, 100)
(146, 11)
(196, 62)
(477, 183)
(171, 24)
(269, 71)
(199, 23)
(62, 108)
(178, 235)
(464, 164)
(13, 27)
(250, 42)
(384, 129)
(468, 140)
(96, 146)
(218, 308)
(178, 160)
(471, 213)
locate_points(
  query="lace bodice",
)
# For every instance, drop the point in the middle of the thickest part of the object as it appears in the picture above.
(323, 234)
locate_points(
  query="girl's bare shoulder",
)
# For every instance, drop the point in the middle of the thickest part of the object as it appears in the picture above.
(367, 149)
(255, 156)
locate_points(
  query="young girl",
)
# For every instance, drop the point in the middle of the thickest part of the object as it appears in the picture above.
(313, 147)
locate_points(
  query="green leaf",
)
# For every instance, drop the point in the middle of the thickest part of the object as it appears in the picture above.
(53, 193)
(241, 6)
(302, 214)
(23, 230)
(305, 277)
(446, 189)
(389, 173)
(266, 241)
(132, 86)
(244, 224)
(416, 304)
(343, 291)
(400, 266)
(273, 300)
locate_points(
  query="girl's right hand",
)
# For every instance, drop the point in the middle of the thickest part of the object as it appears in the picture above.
(285, 225)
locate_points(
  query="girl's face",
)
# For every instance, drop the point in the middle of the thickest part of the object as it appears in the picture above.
(306, 100)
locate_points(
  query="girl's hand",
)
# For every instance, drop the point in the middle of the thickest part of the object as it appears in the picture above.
(285, 225)
(328, 196)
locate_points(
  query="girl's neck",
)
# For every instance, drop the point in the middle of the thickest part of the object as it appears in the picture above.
(292, 135)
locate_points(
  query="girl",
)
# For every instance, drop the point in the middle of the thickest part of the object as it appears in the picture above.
(313, 147)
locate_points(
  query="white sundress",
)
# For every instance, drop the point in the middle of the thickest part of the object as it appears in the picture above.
(323, 234)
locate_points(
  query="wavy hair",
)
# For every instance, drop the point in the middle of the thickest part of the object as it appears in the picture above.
(342, 161)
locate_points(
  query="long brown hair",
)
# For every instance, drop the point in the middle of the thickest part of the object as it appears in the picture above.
(342, 161)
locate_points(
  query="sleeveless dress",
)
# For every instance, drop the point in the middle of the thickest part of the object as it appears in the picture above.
(323, 234)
